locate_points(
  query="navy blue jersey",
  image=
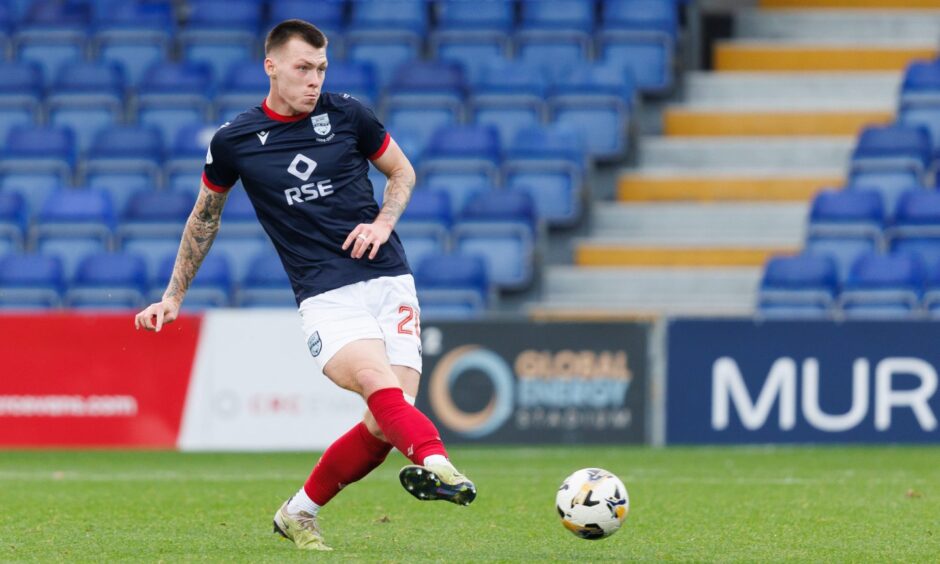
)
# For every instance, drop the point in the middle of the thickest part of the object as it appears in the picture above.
(307, 177)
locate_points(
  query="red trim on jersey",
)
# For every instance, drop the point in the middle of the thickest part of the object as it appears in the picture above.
(213, 186)
(278, 117)
(381, 150)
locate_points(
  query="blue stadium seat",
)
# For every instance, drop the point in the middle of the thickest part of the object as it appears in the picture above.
(551, 142)
(124, 159)
(501, 227)
(239, 251)
(509, 96)
(919, 101)
(39, 150)
(245, 86)
(558, 15)
(238, 216)
(433, 83)
(798, 287)
(135, 50)
(266, 284)
(891, 155)
(7, 21)
(551, 49)
(641, 35)
(21, 87)
(212, 286)
(384, 50)
(459, 15)
(34, 190)
(400, 15)
(153, 250)
(598, 100)
(418, 119)
(556, 187)
(474, 50)
(87, 97)
(108, 281)
(884, 286)
(71, 250)
(155, 214)
(218, 53)
(173, 95)
(14, 220)
(424, 228)
(461, 159)
(76, 213)
(49, 49)
(328, 15)
(453, 286)
(226, 20)
(845, 224)
(30, 282)
(916, 228)
(931, 299)
(187, 157)
(356, 78)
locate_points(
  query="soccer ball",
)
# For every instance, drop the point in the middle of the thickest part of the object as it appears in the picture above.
(592, 503)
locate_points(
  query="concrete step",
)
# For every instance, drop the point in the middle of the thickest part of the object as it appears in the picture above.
(668, 186)
(776, 156)
(766, 55)
(693, 121)
(791, 91)
(656, 291)
(826, 20)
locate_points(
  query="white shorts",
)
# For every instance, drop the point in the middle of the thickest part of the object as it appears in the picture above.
(383, 308)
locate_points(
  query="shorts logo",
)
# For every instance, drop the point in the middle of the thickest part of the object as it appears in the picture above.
(321, 124)
(315, 344)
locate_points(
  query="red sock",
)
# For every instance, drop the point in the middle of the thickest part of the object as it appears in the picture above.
(347, 460)
(404, 426)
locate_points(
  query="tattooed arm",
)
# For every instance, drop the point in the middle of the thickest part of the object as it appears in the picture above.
(401, 181)
(200, 231)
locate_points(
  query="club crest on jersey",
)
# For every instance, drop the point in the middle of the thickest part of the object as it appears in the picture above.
(321, 124)
(315, 344)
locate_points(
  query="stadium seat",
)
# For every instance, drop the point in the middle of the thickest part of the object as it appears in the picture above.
(510, 97)
(501, 227)
(356, 78)
(212, 286)
(133, 49)
(232, 21)
(461, 159)
(459, 15)
(87, 97)
(123, 159)
(916, 228)
(641, 35)
(30, 282)
(845, 224)
(14, 220)
(76, 213)
(891, 155)
(70, 249)
(919, 101)
(551, 49)
(155, 214)
(218, 53)
(21, 90)
(549, 143)
(798, 287)
(153, 250)
(400, 15)
(597, 100)
(108, 281)
(34, 190)
(558, 15)
(453, 286)
(238, 216)
(266, 284)
(474, 50)
(433, 83)
(49, 49)
(883, 286)
(187, 156)
(328, 15)
(556, 187)
(239, 251)
(384, 50)
(173, 95)
(245, 86)
(39, 150)
(931, 299)
(418, 119)
(424, 228)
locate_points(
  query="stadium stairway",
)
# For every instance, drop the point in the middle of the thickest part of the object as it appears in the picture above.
(742, 150)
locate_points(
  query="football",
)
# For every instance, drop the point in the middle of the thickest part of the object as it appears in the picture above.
(592, 503)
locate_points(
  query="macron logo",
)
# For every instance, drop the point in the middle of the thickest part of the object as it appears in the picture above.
(262, 136)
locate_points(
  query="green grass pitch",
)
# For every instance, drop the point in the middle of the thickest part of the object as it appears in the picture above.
(821, 504)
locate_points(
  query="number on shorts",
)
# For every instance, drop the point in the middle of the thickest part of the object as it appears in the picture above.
(409, 316)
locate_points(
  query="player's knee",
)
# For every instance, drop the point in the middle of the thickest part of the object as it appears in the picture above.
(373, 426)
(370, 379)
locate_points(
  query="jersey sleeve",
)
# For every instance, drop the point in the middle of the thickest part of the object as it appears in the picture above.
(219, 174)
(373, 139)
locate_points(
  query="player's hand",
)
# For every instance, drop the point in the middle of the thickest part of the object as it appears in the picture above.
(157, 315)
(366, 236)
